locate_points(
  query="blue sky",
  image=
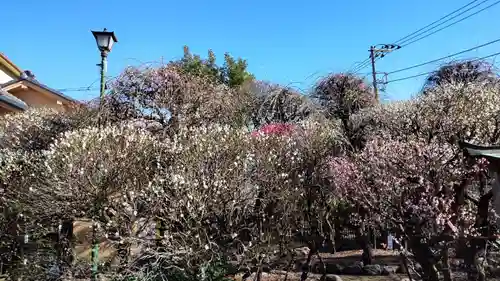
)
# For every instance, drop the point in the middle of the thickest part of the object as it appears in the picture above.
(288, 42)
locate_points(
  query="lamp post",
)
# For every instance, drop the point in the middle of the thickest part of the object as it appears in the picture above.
(105, 40)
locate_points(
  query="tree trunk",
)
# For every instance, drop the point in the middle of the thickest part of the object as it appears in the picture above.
(363, 240)
(446, 264)
(476, 271)
(425, 258)
(306, 267)
(478, 245)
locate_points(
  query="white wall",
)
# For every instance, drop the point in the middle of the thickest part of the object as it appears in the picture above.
(4, 77)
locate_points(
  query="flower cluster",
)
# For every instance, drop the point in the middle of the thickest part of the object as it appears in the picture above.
(168, 172)
(279, 129)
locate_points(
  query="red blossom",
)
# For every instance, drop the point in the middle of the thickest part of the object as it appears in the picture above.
(275, 129)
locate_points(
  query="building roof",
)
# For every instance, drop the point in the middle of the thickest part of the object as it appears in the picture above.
(490, 152)
(12, 100)
(7, 63)
(34, 82)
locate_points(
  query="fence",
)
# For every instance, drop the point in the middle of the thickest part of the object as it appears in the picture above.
(346, 240)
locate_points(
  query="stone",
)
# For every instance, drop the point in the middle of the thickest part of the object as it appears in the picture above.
(251, 277)
(301, 252)
(334, 269)
(401, 270)
(332, 277)
(372, 269)
(388, 270)
(355, 269)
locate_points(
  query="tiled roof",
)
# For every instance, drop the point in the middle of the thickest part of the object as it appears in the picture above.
(12, 100)
(35, 82)
(491, 152)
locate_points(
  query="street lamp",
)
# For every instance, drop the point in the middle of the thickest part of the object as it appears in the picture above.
(105, 40)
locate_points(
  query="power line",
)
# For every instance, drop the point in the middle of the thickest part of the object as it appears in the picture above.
(442, 18)
(87, 88)
(451, 24)
(82, 89)
(426, 73)
(446, 57)
(361, 66)
(410, 38)
(365, 64)
(357, 64)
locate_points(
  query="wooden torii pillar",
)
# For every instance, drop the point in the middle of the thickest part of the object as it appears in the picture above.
(492, 154)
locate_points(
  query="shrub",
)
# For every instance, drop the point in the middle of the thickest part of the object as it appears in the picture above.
(343, 95)
(36, 129)
(176, 99)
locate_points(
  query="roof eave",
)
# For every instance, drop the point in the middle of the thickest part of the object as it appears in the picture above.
(476, 151)
(42, 86)
(4, 61)
(13, 103)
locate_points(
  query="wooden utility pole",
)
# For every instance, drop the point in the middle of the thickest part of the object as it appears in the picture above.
(374, 52)
(374, 73)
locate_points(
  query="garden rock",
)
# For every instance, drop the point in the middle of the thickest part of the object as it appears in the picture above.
(372, 269)
(388, 270)
(301, 253)
(332, 277)
(355, 269)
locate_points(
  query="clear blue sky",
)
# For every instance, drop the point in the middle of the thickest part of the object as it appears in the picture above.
(283, 41)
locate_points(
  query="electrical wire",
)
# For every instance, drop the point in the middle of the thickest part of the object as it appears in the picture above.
(442, 18)
(355, 65)
(426, 73)
(87, 88)
(442, 58)
(449, 25)
(410, 38)
(82, 89)
(366, 63)
(361, 66)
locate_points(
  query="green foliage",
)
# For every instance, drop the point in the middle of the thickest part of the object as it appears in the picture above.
(232, 73)
(215, 271)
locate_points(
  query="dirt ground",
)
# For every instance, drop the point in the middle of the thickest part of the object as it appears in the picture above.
(295, 276)
(344, 257)
(385, 257)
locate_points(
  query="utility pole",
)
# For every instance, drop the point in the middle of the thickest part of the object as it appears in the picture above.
(379, 52)
(374, 73)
